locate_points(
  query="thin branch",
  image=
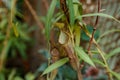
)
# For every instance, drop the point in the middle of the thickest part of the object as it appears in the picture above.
(105, 62)
(95, 26)
(34, 14)
(101, 54)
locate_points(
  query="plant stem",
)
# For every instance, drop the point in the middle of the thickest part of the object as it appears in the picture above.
(63, 6)
(95, 26)
(102, 55)
(100, 52)
(69, 47)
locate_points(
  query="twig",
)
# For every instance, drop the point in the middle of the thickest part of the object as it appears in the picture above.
(101, 54)
(105, 62)
(34, 14)
(95, 26)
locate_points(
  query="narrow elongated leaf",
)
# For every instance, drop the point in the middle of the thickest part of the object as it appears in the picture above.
(15, 29)
(58, 18)
(2, 76)
(77, 8)
(12, 74)
(71, 11)
(113, 52)
(49, 17)
(116, 75)
(18, 78)
(98, 62)
(21, 48)
(84, 56)
(77, 34)
(56, 65)
(99, 14)
(107, 33)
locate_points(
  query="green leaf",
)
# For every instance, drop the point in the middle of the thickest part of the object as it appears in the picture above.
(113, 52)
(99, 14)
(58, 17)
(2, 37)
(67, 72)
(49, 17)
(77, 34)
(56, 65)
(107, 33)
(90, 29)
(9, 44)
(13, 9)
(29, 76)
(18, 78)
(21, 48)
(77, 8)
(116, 75)
(2, 76)
(98, 62)
(12, 74)
(3, 23)
(71, 11)
(84, 56)
(15, 29)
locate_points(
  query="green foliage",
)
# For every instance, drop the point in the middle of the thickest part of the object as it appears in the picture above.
(107, 33)
(14, 40)
(98, 62)
(29, 76)
(13, 75)
(18, 34)
(2, 76)
(71, 11)
(77, 34)
(55, 65)
(74, 34)
(17, 40)
(99, 14)
(80, 52)
(90, 29)
(113, 52)
(49, 18)
(67, 73)
(117, 75)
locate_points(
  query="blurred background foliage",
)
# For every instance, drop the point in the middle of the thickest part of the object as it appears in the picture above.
(23, 50)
